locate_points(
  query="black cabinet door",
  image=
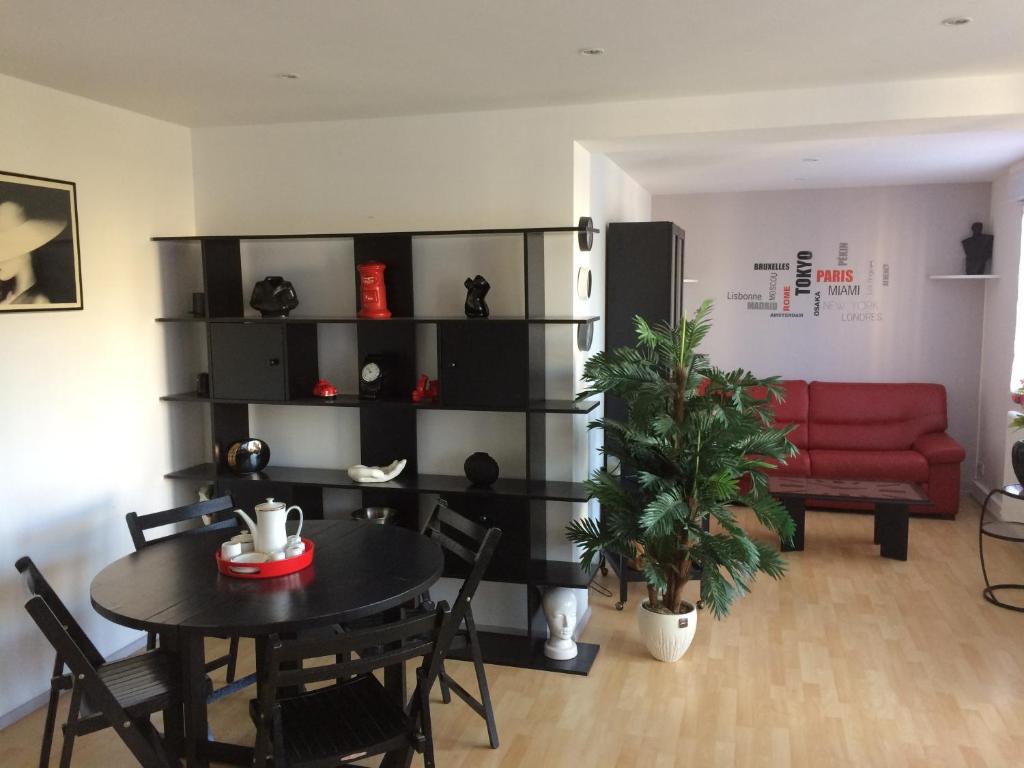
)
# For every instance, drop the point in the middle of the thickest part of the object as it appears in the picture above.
(512, 557)
(483, 364)
(248, 361)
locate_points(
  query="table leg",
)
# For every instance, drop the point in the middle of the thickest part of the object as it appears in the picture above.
(194, 692)
(174, 723)
(892, 523)
(796, 509)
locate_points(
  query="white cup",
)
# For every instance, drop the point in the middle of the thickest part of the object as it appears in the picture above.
(295, 541)
(296, 550)
(278, 555)
(230, 549)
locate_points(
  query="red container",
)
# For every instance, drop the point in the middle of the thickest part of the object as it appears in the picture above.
(269, 569)
(373, 297)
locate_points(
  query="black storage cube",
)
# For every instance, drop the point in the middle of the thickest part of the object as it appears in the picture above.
(483, 364)
(262, 361)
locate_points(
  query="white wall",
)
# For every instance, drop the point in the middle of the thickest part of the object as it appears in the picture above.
(930, 330)
(86, 438)
(1003, 317)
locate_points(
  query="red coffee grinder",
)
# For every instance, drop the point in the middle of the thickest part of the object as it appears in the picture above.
(373, 297)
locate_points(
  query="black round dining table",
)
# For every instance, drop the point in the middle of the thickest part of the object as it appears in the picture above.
(173, 588)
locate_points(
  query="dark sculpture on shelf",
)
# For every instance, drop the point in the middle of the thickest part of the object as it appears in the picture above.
(476, 293)
(274, 296)
(978, 248)
(481, 469)
(249, 455)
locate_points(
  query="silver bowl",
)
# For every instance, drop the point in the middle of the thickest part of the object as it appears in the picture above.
(379, 515)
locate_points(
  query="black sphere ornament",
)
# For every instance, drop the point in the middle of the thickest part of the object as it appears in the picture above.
(274, 296)
(481, 469)
(476, 293)
(247, 456)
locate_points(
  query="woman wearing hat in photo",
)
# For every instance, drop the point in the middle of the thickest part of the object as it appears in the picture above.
(24, 278)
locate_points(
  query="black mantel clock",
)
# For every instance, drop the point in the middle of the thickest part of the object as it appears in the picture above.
(371, 377)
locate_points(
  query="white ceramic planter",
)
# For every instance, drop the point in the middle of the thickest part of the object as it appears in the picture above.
(667, 635)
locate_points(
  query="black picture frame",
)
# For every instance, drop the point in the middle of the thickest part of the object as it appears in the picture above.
(40, 258)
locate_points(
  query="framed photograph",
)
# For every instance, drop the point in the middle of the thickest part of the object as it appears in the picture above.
(40, 264)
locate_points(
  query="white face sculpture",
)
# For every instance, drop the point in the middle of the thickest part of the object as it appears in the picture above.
(560, 609)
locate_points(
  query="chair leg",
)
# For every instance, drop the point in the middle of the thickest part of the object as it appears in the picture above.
(150, 641)
(232, 659)
(51, 714)
(144, 742)
(69, 727)
(446, 693)
(481, 680)
(424, 713)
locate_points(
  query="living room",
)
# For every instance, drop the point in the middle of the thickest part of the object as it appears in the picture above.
(871, 137)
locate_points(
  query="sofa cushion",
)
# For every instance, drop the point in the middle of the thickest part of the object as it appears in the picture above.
(793, 410)
(873, 417)
(869, 465)
(795, 466)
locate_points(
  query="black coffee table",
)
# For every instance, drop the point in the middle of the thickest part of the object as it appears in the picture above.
(173, 588)
(892, 500)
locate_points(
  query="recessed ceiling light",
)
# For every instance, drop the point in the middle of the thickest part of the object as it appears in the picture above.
(286, 76)
(956, 21)
(591, 51)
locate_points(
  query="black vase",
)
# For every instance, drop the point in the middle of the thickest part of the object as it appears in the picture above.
(481, 469)
(247, 456)
(1017, 459)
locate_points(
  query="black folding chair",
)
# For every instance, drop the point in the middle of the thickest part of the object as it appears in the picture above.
(119, 694)
(474, 545)
(355, 717)
(212, 514)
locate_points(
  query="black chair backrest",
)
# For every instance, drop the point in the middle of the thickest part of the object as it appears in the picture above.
(220, 511)
(40, 588)
(472, 543)
(459, 535)
(398, 641)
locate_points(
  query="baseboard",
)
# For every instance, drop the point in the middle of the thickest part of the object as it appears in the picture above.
(978, 491)
(581, 624)
(37, 702)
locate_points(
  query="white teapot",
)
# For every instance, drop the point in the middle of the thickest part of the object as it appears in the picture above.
(270, 534)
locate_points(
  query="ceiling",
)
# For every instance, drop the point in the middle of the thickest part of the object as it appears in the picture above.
(821, 157)
(197, 62)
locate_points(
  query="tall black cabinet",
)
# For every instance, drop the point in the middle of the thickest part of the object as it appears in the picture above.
(494, 364)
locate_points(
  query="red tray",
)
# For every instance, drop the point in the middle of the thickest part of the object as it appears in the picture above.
(269, 569)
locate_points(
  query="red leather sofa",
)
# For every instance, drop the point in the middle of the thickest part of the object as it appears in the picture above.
(874, 431)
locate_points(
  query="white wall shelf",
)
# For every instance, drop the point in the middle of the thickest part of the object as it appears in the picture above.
(964, 277)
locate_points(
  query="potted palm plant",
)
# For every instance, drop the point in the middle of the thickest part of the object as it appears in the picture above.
(696, 439)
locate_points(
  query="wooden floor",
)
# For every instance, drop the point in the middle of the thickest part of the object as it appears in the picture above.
(851, 660)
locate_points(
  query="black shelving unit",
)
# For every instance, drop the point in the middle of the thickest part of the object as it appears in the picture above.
(273, 361)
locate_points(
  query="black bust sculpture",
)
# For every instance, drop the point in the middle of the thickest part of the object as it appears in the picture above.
(978, 248)
(476, 292)
(274, 296)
